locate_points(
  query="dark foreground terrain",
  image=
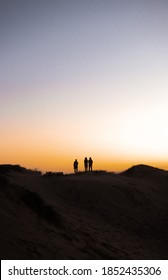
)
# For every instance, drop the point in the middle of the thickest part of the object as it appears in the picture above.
(96, 215)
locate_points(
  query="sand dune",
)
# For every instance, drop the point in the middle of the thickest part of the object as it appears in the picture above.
(96, 215)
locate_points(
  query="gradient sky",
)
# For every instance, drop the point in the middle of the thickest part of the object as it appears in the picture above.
(84, 78)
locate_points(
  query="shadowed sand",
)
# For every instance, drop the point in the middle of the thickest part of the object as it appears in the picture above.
(92, 215)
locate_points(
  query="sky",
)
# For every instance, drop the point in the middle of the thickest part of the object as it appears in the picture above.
(83, 78)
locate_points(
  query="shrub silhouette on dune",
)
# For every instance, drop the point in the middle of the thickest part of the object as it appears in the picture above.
(51, 174)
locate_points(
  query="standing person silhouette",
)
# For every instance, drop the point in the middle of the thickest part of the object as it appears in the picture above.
(90, 164)
(75, 165)
(86, 164)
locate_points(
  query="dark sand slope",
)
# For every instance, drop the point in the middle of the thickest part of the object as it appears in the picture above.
(94, 215)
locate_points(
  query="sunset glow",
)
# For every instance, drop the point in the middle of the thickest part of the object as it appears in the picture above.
(84, 78)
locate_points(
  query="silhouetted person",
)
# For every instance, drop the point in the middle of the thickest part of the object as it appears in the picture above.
(90, 164)
(75, 165)
(86, 164)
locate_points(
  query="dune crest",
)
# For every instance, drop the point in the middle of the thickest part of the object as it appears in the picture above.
(97, 215)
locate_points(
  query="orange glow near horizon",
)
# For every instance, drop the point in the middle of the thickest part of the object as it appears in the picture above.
(38, 145)
(50, 145)
(60, 161)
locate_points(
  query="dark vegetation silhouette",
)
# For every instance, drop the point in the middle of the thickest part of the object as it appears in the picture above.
(93, 173)
(36, 171)
(51, 174)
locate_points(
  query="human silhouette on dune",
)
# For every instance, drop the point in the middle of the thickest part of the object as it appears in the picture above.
(86, 164)
(90, 164)
(75, 165)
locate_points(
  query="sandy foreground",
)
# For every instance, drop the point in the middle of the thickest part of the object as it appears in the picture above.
(93, 215)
